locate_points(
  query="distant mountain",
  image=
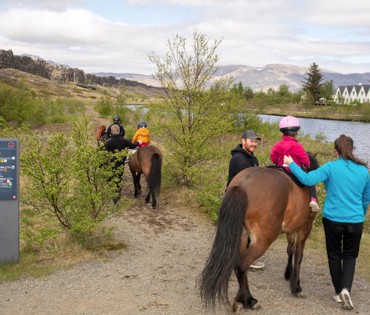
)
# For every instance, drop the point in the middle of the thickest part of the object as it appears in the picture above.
(263, 78)
(257, 78)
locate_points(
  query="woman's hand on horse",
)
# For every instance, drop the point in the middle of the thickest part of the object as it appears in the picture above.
(287, 159)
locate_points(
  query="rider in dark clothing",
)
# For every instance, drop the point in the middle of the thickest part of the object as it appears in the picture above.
(117, 122)
(117, 143)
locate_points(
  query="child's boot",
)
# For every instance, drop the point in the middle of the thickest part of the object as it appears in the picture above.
(314, 205)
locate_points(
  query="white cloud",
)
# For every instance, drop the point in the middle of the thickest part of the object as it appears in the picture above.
(255, 33)
(41, 4)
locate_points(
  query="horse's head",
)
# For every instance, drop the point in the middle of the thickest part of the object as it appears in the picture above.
(313, 160)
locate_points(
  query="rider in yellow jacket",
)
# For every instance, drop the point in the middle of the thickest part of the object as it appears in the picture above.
(142, 135)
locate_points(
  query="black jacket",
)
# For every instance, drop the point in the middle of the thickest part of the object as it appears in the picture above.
(239, 161)
(116, 142)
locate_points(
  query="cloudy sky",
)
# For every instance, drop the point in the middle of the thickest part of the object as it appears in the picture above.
(117, 35)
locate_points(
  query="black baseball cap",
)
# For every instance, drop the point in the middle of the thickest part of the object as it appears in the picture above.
(251, 134)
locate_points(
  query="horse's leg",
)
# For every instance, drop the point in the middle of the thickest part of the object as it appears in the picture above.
(302, 235)
(153, 178)
(244, 298)
(290, 252)
(136, 178)
(154, 201)
(295, 282)
(138, 183)
(151, 193)
(247, 256)
(147, 198)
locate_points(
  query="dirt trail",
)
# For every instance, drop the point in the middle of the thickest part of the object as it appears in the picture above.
(167, 249)
(95, 119)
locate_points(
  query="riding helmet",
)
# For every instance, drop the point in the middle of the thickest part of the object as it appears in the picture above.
(116, 119)
(142, 124)
(289, 123)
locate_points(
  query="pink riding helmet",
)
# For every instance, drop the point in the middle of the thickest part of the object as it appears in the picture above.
(289, 123)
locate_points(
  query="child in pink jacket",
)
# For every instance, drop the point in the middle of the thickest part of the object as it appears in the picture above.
(289, 145)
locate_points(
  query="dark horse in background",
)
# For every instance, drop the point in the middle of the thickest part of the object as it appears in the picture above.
(259, 204)
(148, 161)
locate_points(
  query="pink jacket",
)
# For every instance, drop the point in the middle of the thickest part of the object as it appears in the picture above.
(289, 146)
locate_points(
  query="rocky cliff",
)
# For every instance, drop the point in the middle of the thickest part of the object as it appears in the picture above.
(57, 72)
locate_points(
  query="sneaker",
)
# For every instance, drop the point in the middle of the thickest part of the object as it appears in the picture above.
(257, 265)
(346, 300)
(314, 205)
(337, 298)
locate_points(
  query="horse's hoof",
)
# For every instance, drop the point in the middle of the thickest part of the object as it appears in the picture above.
(297, 291)
(255, 305)
(237, 307)
(300, 295)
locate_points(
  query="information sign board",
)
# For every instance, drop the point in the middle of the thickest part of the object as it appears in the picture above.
(9, 200)
(8, 169)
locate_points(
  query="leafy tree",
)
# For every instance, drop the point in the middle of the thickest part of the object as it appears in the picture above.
(327, 90)
(312, 85)
(193, 115)
(237, 89)
(248, 93)
(284, 91)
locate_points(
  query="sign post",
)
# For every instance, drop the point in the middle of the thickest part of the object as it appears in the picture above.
(9, 200)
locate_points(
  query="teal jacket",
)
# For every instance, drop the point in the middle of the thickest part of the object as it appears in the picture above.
(347, 187)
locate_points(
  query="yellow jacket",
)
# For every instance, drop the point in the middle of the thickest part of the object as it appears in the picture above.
(142, 134)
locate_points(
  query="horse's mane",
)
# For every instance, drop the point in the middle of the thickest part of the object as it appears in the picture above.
(314, 163)
(313, 160)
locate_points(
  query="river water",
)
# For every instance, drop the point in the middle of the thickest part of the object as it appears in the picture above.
(332, 129)
(329, 129)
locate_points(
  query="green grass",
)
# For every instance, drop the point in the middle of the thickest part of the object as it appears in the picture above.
(30, 265)
(56, 254)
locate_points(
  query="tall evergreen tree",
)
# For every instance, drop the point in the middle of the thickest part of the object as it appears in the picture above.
(312, 85)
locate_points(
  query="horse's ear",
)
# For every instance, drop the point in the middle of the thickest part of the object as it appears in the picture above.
(316, 153)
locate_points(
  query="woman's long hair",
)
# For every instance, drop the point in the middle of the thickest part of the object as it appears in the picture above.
(344, 146)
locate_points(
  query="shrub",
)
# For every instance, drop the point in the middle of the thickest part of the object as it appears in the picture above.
(67, 176)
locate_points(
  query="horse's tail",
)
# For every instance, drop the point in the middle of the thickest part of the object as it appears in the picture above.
(155, 174)
(224, 256)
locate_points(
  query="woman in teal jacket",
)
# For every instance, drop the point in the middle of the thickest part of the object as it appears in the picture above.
(347, 184)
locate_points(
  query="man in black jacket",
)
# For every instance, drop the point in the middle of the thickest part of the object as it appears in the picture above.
(117, 143)
(242, 157)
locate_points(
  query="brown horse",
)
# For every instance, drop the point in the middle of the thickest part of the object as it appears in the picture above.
(259, 204)
(148, 161)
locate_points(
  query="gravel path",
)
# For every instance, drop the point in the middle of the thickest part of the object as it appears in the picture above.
(167, 248)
